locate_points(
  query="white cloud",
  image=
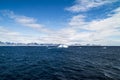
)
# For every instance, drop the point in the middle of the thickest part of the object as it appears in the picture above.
(12, 36)
(77, 20)
(7, 35)
(25, 21)
(97, 31)
(84, 5)
(78, 31)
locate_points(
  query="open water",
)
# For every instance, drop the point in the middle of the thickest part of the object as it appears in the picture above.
(52, 63)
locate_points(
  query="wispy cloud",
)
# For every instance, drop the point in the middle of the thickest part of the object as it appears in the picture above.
(49, 36)
(12, 36)
(25, 21)
(78, 30)
(7, 35)
(84, 5)
(101, 31)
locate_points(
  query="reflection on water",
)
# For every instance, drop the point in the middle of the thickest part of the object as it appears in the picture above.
(50, 63)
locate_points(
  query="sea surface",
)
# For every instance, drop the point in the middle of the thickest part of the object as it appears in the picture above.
(52, 63)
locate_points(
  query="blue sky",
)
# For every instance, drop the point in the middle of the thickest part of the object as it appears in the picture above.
(60, 21)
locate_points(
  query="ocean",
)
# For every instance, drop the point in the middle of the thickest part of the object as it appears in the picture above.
(52, 63)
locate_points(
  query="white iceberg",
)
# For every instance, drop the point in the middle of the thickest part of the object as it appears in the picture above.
(63, 46)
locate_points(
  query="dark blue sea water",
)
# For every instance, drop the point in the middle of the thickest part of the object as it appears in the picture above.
(51, 63)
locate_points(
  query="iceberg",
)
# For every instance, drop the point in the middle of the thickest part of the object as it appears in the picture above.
(63, 46)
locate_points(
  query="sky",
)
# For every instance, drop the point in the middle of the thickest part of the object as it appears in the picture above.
(60, 21)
